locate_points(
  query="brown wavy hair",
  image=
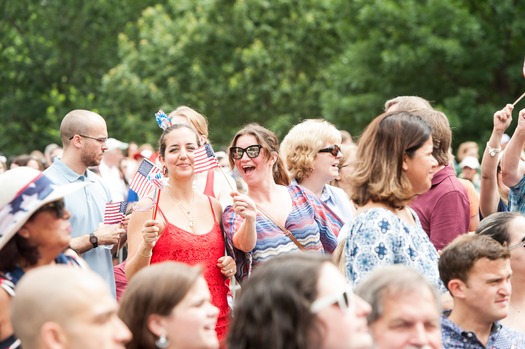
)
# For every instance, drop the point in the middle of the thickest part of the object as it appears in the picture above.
(270, 144)
(378, 173)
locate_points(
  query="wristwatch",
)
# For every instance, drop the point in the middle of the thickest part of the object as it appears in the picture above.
(93, 239)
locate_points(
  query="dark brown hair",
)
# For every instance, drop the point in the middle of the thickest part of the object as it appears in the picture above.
(459, 256)
(273, 310)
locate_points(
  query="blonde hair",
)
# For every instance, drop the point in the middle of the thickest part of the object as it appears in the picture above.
(195, 119)
(301, 145)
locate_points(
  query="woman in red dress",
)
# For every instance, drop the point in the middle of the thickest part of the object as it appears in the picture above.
(187, 227)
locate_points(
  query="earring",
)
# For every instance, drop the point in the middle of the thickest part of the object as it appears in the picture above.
(162, 342)
(164, 171)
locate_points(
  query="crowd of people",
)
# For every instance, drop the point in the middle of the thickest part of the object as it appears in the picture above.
(387, 242)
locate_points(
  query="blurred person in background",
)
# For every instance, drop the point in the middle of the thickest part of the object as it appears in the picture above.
(168, 305)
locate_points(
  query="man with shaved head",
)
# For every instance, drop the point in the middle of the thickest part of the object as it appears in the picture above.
(58, 306)
(84, 135)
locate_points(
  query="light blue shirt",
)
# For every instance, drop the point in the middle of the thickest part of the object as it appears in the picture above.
(86, 207)
(338, 201)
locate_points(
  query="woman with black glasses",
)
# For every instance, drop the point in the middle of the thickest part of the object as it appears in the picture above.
(34, 231)
(312, 153)
(274, 217)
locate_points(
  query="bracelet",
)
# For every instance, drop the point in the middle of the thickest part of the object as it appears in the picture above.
(145, 255)
(493, 151)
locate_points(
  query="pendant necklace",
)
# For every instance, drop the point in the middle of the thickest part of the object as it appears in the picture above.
(186, 212)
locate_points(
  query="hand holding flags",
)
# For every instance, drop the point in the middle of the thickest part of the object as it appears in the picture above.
(115, 212)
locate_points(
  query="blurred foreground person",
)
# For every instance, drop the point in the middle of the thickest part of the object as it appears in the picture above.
(168, 305)
(58, 306)
(34, 231)
(406, 309)
(299, 301)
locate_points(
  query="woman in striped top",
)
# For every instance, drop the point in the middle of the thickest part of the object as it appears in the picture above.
(274, 217)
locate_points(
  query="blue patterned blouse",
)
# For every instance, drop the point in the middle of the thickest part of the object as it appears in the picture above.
(378, 237)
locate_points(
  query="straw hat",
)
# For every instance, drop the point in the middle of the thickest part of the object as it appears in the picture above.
(23, 190)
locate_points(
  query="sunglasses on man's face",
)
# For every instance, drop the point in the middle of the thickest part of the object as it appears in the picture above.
(57, 207)
(252, 151)
(333, 149)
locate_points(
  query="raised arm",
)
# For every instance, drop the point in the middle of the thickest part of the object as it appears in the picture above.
(510, 163)
(245, 237)
(489, 194)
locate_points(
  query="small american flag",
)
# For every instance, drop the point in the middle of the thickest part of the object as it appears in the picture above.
(140, 184)
(204, 159)
(115, 212)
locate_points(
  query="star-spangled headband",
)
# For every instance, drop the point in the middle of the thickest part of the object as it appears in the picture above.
(162, 119)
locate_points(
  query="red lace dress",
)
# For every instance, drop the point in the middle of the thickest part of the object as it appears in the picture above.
(176, 244)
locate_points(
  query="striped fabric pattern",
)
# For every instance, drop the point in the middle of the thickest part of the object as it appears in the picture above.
(311, 222)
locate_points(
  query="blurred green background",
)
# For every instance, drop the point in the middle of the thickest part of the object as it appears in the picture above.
(273, 62)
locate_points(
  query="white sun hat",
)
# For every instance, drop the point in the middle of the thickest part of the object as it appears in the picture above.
(23, 190)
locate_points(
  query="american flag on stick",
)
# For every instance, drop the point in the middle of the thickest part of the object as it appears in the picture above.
(115, 212)
(140, 184)
(204, 159)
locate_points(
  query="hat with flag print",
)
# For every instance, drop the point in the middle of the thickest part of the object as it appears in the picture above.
(24, 191)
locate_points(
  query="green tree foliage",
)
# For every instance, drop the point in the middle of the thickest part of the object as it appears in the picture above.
(52, 57)
(273, 62)
(464, 56)
(235, 61)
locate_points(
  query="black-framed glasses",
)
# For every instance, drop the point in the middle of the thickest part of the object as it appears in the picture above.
(252, 151)
(518, 245)
(345, 301)
(57, 207)
(333, 149)
(100, 140)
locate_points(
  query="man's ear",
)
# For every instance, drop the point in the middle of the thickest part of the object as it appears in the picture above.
(53, 336)
(457, 288)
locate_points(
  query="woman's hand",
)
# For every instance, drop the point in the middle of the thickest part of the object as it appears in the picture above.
(502, 118)
(150, 232)
(227, 266)
(244, 206)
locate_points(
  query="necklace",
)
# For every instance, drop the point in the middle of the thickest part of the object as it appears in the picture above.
(186, 212)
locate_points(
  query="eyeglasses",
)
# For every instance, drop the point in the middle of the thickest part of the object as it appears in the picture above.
(252, 151)
(344, 299)
(100, 140)
(333, 149)
(518, 245)
(58, 207)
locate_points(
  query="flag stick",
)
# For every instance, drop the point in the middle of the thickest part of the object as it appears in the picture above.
(517, 100)
(226, 177)
(156, 199)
